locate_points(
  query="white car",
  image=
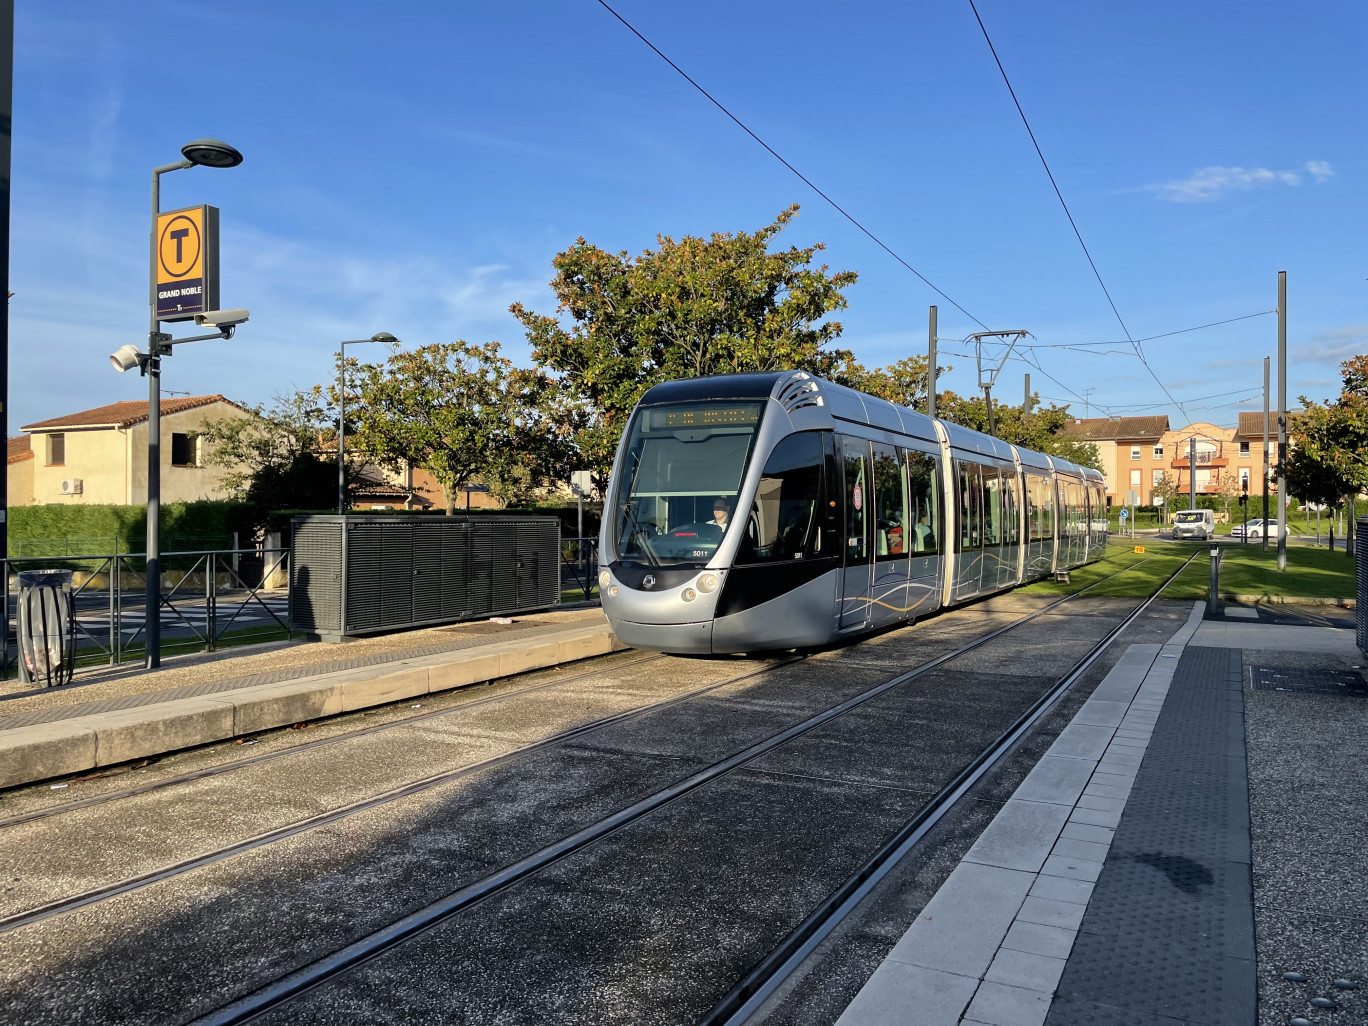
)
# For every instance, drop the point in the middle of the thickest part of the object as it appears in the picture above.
(1257, 528)
(1197, 523)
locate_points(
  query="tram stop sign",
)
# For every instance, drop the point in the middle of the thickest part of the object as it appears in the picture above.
(186, 263)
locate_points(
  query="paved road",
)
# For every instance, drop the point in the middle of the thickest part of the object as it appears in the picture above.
(651, 922)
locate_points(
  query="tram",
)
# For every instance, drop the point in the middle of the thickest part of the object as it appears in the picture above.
(752, 512)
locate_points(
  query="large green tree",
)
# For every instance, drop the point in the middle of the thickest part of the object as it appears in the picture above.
(1041, 428)
(689, 307)
(1328, 451)
(460, 411)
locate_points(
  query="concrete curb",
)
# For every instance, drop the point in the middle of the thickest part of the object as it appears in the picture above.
(46, 750)
(1288, 600)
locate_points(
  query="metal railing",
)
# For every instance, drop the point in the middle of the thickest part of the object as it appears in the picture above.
(579, 565)
(208, 595)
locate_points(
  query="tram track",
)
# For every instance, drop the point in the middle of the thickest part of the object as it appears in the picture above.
(293, 985)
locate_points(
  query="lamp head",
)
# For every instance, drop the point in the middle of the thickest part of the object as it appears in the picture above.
(383, 336)
(125, 358)
(211, 153)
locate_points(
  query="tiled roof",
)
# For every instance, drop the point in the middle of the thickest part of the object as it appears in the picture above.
(1251, 425)
(124, 414)
(1110, 429)
(20, 448)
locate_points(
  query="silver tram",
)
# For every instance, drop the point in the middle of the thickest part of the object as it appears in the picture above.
(769, 511)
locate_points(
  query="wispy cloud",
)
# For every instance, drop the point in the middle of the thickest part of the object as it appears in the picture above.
(1208, 184)
(1334, 345)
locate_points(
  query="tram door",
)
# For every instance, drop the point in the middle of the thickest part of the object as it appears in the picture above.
(857, 553)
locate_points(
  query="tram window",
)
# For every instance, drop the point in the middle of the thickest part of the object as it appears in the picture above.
(783, 521)
(1011, 529)
(1040, 494)
(855, 453)
(970, 503)
(890, 505)
(992, 507)
(923, 488)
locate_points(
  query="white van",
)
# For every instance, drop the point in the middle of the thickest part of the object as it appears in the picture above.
(1194, 523)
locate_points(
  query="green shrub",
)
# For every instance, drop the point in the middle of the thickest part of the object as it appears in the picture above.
(80, 530)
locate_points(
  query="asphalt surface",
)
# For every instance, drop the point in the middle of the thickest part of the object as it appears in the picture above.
(651, 924)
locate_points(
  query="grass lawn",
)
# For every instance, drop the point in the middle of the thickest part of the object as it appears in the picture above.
(1245, 570)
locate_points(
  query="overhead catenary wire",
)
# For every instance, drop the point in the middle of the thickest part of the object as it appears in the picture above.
(1067, 213)
(777, 156)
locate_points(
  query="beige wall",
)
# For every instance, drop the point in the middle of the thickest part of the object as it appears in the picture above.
(112, 462)
(19, 482)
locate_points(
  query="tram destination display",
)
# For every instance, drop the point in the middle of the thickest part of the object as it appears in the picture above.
(705, 415)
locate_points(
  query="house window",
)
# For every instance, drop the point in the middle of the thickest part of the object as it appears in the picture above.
(1244, 450)
(56, 450)
(184, 450)
(1156, 477)
(1135, 479)
(1158, 452)
(1135, 452)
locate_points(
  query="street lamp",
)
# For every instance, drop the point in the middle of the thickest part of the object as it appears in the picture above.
(204, 153)
(379, 336)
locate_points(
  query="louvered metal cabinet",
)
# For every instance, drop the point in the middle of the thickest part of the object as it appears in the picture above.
(361, 575)
(1361, 574)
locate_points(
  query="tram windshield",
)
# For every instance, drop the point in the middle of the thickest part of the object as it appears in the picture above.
(679, 478)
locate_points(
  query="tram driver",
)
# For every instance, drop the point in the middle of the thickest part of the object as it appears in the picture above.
(721, 511)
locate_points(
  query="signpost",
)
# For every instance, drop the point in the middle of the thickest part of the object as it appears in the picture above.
(187, 266)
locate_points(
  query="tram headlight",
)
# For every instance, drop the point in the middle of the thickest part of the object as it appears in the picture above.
(689, 595)
(605, 578)
(707, 583)
(612, 592)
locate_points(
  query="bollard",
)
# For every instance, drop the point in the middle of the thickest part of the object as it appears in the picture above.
(1215, 578)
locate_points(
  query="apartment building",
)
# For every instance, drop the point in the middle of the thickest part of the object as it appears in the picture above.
(1131, 451)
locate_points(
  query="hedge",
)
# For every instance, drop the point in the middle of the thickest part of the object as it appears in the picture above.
(80, 530)
(279, 520)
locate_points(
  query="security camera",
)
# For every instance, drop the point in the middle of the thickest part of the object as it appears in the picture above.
(125, 358)
(222, 318)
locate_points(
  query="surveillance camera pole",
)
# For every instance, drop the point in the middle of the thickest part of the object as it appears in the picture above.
(156, 348)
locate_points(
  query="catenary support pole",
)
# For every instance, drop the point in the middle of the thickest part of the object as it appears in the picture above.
(1026, 402)
(988, 398)
(1264, 530)
(1192, 472)
(931, 365)
(1282, 420)
(6, 106)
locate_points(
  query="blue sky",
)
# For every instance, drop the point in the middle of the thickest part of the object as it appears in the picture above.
(414, 167)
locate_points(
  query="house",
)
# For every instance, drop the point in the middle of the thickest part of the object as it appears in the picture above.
(100, 455)
(1130, 449)
(410, 487)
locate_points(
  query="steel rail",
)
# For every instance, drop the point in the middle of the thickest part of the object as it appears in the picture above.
(314, 974)
(758, 985)
(70, 903)
(308, 746)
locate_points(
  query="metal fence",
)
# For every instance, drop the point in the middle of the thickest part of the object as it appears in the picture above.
(579, 565)
(207, 598)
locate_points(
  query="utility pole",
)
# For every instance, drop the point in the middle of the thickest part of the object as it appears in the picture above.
(1264, 532)
(988, 398)
(1282, 420)
(1192, 472)
(931, 365)
(6, 105)
(1026, 402)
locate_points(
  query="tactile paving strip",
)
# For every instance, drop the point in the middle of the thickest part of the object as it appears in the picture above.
(1307, 682)
(1169, 932)
(66, 712)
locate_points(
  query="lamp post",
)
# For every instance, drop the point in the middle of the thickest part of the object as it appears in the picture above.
(379, 336)
(204, 153)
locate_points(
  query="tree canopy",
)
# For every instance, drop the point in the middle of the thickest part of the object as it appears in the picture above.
(689, 307)
(1327, 460)
(459, 411)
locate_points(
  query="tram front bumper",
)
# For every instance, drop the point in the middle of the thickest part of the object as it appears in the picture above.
(679, 638)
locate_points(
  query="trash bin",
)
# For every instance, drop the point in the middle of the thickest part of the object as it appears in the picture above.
(45, 628)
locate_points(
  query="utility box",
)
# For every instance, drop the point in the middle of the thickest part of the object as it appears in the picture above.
(1361, 576)
(365, 574)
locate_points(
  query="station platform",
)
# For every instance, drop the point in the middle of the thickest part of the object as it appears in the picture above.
(120, 715)
(1187, 852)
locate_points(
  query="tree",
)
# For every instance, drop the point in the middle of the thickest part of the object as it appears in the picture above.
(1165, 490)
(903, 383)
(1327, 461)
(1227, 490)
(1042, 429)
(459, 410)
(275, 459)
(687, 308)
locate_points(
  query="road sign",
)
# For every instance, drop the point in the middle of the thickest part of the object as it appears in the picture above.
(581, 483)
(187, 265)
(1124, 514)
